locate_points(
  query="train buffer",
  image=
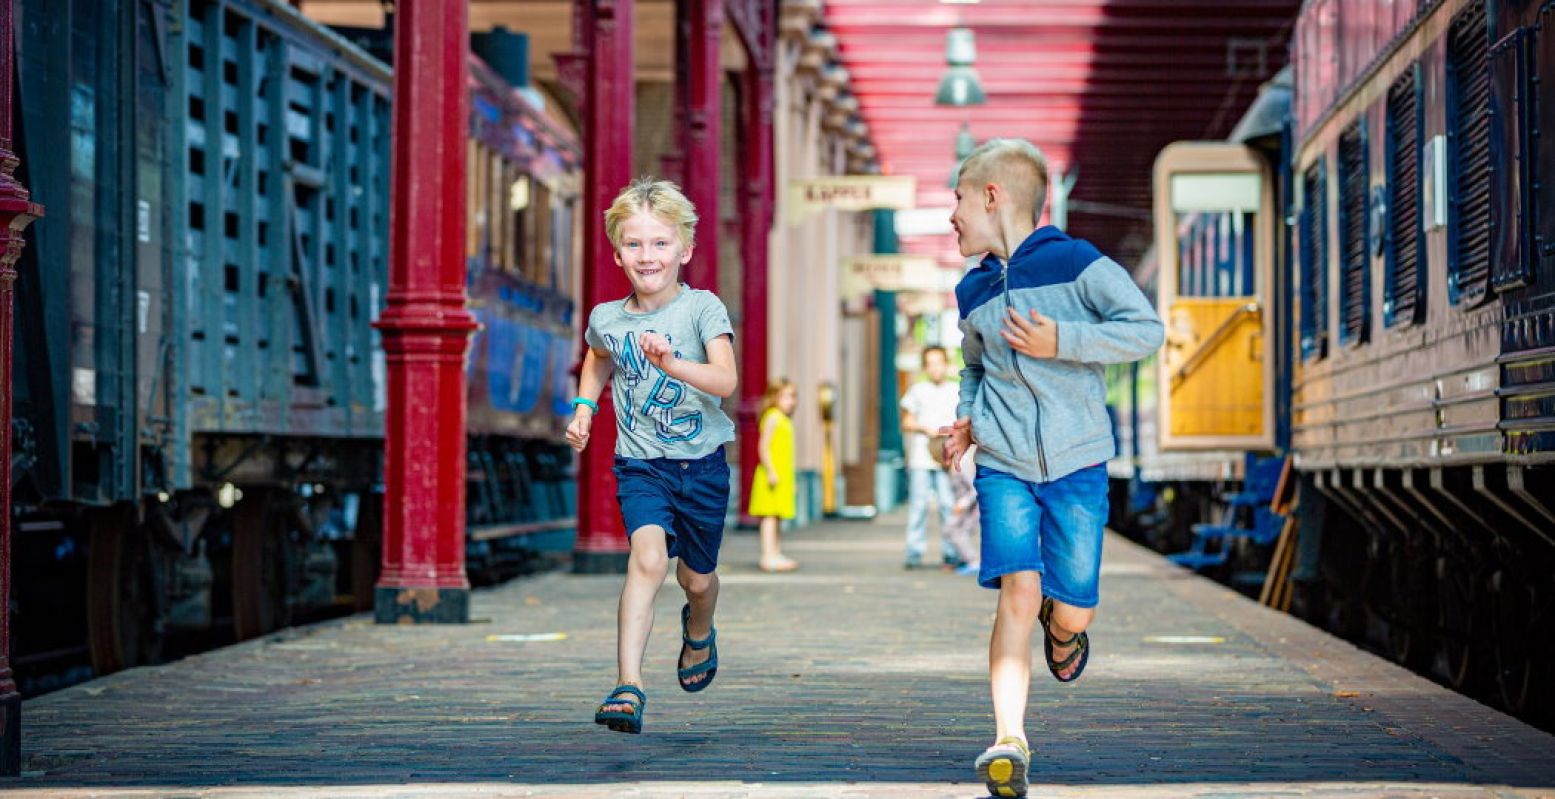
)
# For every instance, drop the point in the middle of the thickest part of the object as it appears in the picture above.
(848, 678)
(1255, 500)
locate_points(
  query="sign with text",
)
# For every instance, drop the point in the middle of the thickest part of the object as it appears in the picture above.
(864, 273)
(849, 193)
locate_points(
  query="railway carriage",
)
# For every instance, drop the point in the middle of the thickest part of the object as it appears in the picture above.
(199, 390)
(1411, 293)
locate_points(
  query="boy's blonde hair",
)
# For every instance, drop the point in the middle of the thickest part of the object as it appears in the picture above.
(1015, 164)
(661, 198)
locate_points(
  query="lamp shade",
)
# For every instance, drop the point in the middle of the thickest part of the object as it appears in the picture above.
(960, 86)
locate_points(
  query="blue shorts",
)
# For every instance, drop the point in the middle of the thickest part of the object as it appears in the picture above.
(1054, 529)
(688, 498)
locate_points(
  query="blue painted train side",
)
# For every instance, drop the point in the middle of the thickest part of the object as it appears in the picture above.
(199, 391)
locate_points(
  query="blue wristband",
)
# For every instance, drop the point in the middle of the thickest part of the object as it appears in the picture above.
(576, 401)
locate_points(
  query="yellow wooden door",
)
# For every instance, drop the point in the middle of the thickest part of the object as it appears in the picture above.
(1216, 378)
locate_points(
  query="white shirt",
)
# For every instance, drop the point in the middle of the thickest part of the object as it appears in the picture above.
(932, 407)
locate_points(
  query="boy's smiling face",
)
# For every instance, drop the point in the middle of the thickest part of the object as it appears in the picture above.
(974, 219)
(652, 253)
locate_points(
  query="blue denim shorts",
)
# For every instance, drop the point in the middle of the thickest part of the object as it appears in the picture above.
(1053, 528)
(688, 498)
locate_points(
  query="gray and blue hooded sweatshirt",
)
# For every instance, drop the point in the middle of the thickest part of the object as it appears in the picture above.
(1043, 418)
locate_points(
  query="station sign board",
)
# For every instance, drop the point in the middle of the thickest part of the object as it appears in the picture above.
(864, 273)
(808, 196)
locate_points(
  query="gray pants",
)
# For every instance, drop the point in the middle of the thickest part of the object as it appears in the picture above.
(922, 484)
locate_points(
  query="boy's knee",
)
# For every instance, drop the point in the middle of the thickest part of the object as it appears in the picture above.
(696, 585)
(1020, 594)
(649, 562)
(1071, 618)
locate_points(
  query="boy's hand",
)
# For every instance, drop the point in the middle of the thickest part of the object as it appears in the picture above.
(1037, 338)
(578, 430)
(958, 439)
(658, 349)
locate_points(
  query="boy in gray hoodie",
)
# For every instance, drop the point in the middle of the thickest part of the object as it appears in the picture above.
(1041, 316)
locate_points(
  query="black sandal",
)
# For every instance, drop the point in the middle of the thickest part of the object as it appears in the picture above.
(623, 720)
(1080, 641)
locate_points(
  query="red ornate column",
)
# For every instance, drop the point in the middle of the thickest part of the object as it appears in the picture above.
(16, 212)
(703, 129)
(605, 28)
(756, 217)
(426, 327)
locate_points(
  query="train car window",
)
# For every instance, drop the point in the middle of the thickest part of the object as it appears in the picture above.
(1508, 184)
(1468, 141)
(1404, 300)
(1354, 259)
(1541, 146)
(1314, 262)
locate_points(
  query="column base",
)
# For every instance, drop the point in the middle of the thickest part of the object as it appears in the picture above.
(421, 605)
(599, 562)
(11, 735)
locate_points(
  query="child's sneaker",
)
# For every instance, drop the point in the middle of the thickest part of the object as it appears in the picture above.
(1002, 767)
(969, 569)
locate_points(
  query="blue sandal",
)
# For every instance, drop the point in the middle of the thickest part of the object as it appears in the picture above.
(708, 667)
(1080, 641)
(623, 720)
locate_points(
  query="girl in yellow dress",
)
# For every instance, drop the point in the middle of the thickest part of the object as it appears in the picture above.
(772, 495)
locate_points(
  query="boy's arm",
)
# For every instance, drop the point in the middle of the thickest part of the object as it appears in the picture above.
(717, 377)
(596, 370)
(972, 374)
(1131, 330)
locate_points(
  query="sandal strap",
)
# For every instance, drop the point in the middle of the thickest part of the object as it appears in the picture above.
(702, 644)
(685, 620)
(700, 668)
(622, 693)
(1079, 649)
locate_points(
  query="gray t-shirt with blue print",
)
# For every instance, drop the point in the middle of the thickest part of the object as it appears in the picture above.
(658, 416)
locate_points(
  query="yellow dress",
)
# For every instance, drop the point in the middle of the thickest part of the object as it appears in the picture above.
(765, 500)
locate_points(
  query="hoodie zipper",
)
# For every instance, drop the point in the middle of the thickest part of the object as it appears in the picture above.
(1015, 356)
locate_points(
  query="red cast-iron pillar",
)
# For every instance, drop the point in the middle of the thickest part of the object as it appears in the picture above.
(426, 327)
(16, 212)
(601, 71)
(757, 27)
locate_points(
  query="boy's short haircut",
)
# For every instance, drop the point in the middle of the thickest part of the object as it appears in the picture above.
(943, 353)
(1019, 166)
(661, 198)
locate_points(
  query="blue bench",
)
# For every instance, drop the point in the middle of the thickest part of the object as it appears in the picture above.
(1256, 497)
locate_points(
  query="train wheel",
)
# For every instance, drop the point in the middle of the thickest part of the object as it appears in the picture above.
(1455, 624)
(1517, 655)
(259, 566)
(1411, 613)
(121, 593)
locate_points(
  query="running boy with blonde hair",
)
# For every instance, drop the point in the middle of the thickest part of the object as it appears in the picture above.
(1040, 316)
(668, 351)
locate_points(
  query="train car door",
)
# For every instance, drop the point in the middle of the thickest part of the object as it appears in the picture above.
(1214, 229)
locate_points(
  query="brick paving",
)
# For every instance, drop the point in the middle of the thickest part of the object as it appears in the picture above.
(849, 678)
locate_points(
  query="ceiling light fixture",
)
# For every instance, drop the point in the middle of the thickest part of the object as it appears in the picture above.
(960, 85)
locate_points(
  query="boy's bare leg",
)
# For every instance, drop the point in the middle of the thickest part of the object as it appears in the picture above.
(702, 594)
(1009, 651)
(645, 572)
(1068, 621)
